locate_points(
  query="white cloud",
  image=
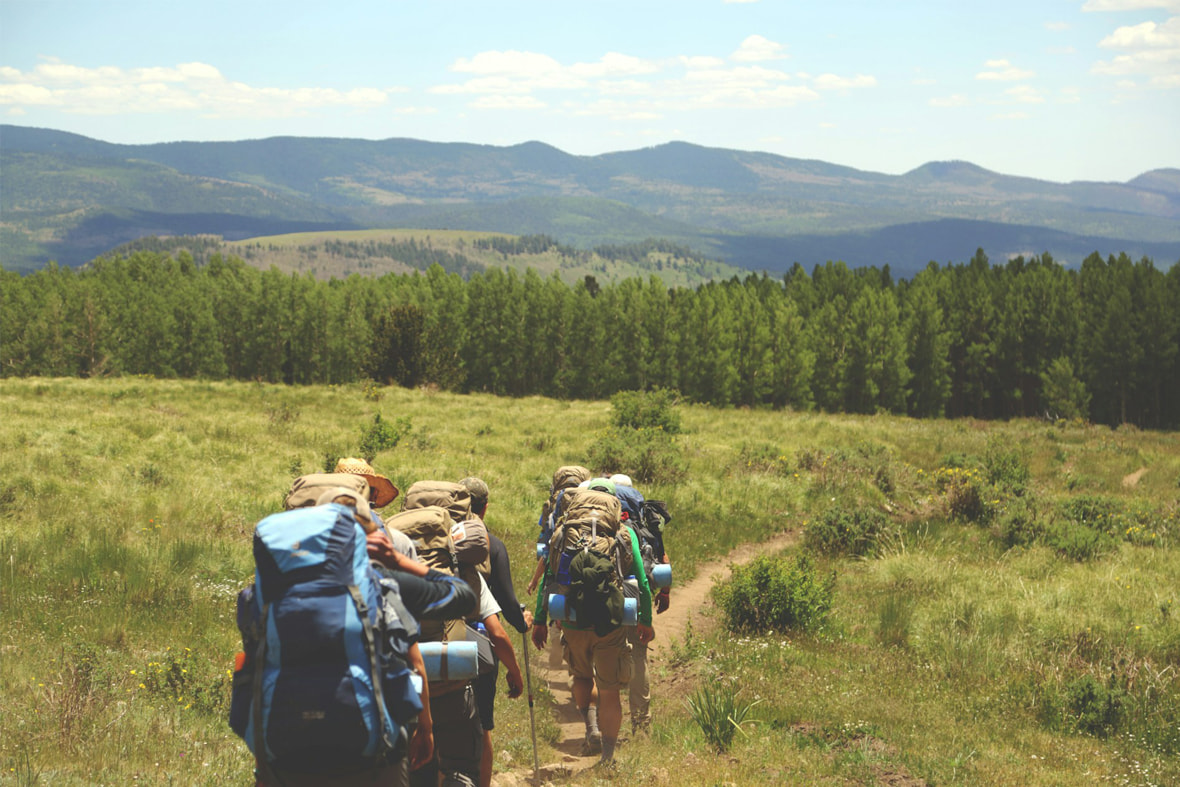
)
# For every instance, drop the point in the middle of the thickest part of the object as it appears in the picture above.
(956, 100)
(1003, 71)
(1130, 5)
(508, 102)
(1057, 27)
(1149, 50)
(196, 87)
(756, 48)
(834, 82)
(1023, 94)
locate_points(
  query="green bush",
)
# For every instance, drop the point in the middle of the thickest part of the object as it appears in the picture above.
(1018, 524)
(1006, 468)
(1093, 708)
(649, 456)
(774, 594)
(381, 435)
(841, 531)
(654, 409)
(1078, 542)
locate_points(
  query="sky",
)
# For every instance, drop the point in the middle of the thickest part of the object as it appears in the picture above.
(1059, 90)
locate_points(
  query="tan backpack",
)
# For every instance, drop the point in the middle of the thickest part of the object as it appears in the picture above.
(429, 527)
(306, 490)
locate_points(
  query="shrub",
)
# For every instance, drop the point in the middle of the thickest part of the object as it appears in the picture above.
(774, 594)
(963, 491)
(650, 456)
(1093, 707)
(1078, 542)
(381, 435)
(1018, 524)
(655, 409)
(1005, 467)
(716, 710)
(842, 531)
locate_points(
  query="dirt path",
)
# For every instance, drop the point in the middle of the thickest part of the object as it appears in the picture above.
(1131, 481)
(689, 605)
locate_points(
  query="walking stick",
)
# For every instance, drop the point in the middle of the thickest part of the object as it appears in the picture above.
(528, 679)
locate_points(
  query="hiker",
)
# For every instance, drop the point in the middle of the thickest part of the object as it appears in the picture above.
(589, 554)
(437, 516)
(564, 477)
(652, 549)
(277, 615)
(499, 582)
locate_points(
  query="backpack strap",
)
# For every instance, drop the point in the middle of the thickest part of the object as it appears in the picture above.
(386, 744)
(259, 733)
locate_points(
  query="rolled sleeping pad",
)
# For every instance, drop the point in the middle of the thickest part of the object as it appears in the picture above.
(662, 575)
(559, 611)
(450, 660)
(542, 551)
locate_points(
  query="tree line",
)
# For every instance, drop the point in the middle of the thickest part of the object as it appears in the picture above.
(1025, 338)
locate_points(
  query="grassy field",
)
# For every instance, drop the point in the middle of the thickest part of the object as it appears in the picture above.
(1006, 616)
(328, 254)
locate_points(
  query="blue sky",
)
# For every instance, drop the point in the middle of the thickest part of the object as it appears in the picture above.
(1055, 89)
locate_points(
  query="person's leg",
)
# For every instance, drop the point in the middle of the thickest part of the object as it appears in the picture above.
(485, 696)
(578, 647)
(459, 739)
(612, 671)
(639, 690)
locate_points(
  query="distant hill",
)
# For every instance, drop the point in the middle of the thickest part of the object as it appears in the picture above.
(68, 197)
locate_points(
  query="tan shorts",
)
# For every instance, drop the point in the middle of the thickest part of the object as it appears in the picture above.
(607, 660)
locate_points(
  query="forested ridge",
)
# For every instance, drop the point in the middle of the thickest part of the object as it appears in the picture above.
(1027, 338)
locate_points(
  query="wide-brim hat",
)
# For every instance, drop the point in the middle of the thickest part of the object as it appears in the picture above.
(382, 491)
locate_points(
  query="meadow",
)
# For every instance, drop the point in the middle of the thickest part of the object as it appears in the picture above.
(1003, 608)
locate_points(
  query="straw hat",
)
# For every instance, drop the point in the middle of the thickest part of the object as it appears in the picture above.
(381, 490)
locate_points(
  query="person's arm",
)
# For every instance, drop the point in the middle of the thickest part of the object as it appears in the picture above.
(422, 744)
(540, 633)
(502, 647)
(433, 595)
(646, 633)
(500, 583)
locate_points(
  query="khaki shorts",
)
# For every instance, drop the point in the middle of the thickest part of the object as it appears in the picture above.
(607, 660)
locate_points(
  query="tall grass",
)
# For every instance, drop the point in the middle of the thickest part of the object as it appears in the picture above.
(957, 649)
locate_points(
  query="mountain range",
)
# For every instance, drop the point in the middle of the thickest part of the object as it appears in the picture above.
(68, 198)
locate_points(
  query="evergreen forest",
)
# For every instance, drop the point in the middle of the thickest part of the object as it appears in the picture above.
(1028, 338)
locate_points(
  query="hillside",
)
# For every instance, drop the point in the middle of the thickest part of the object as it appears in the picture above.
(65, 195)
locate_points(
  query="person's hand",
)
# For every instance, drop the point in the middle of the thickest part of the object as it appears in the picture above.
(421, 746)
(540, 635)
(646, 633)
(528, 617)
(532, 587)
(381, 548)
(515, 684)
(663, 601)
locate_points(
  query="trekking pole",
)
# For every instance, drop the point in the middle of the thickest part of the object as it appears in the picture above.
(528, 679)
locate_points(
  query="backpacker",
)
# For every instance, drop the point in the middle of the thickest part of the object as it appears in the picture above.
(323, 686)
(591, 551)
(565, 477)
(646, 518)
(469, 535)
(430, 528)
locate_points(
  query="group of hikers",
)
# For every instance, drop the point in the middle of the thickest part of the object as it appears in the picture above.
(372, 645)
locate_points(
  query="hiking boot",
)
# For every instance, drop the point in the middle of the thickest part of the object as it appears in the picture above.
(593, 744)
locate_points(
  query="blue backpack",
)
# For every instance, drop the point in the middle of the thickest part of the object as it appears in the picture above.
(325, 687)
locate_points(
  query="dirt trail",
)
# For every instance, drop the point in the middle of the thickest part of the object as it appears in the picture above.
(1131, 481)
(689, 604)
